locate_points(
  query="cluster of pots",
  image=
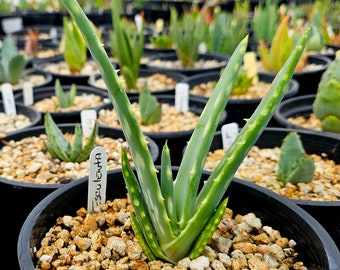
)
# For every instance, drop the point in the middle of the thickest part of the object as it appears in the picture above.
(32, 208)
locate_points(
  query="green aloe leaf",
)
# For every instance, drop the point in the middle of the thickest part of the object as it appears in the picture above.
(294, 165)
(150, 108)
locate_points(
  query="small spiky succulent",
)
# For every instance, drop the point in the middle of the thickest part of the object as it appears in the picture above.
(12, 63)
(61, 148)
(294, 165)
(172, 217)
(65, 98)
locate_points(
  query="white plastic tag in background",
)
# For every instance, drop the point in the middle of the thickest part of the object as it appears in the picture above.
(202, 47)
(8, 99)
(12, 24)
(182, 97)
(53, 33)
(97, 179)
(88, 119)
(28, 93)
(138, 22)
(229, 133)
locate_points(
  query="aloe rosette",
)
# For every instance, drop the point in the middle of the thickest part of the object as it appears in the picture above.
(173, 218)
(326, 105)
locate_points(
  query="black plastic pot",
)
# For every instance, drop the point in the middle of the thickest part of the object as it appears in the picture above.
(176, 140)
(309, 79)
(19, 198)
(294, 107)
(31, 113)
(239, 109)
(66, 116)
(65, 79)
(222, 62)
(325, 212)
(32, 71)
(314, 246)
(20, 36)
(145, 73)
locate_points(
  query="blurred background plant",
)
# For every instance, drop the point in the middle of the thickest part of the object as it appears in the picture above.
(127, 44)
(228, 28)
(189, 31)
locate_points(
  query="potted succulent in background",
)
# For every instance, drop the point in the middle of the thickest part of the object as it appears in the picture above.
(65, 102)
(188, 31)
(318, 112)
(244, 100)
(76, 66)
(272, 57)
(227, 29)
(318, 194)
(127, 43)
(13, 68)
(35, 172)
(189, 213)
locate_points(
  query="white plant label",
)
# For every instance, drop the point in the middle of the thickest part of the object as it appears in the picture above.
(182, 97)
(138, 22)
(8, 99)
(97, 179)
(13, 24)
(28, 93)
(53, 33)
(229, 133)
(88, 119)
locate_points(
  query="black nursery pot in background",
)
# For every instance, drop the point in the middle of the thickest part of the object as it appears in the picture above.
(19, 198)
(66, 116)
(325, 212)
(239, 109)
(314, 246)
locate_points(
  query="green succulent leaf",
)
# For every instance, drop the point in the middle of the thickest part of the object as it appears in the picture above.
(59, 147)
(12, 63)
(326, 105)
(127, 44)
(75, 52)
(65, 98)
(294, 165)
(150, 108)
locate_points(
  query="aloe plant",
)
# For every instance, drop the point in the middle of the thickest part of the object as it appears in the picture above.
(265, 20)
(274, 56)
(65, 98)
(188, 31)
(59, 147)
(294, 165)
(173, 218)
(73, 46)
(150, 108)
(326, 105)
(227, 30)
(127, 43)
(12, 63)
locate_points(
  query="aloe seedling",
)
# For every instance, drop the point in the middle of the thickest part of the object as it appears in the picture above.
(59, 147)
(12, 63)
(294, 165)
(65, 99)
(188, 32)
(73, 46)
(326, 105)
(265, 19)
(227, 30)
(150, 108)
(172, 218)
(281, 47)
(127, 43)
